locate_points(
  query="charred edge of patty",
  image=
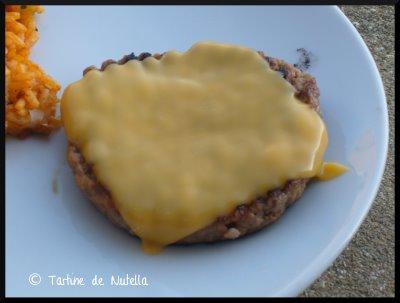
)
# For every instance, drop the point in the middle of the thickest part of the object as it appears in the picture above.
(246, 218)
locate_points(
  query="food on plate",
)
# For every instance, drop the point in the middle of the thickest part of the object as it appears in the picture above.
(30, 94)
(206, 145)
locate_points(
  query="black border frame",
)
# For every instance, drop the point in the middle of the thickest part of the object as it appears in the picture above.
(169, 2)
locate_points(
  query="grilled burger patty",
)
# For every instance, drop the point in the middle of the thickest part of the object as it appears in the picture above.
(247, 217)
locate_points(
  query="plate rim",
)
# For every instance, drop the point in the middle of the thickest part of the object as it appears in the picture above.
(331, 252)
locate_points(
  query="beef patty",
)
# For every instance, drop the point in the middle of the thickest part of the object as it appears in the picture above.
(248, 217)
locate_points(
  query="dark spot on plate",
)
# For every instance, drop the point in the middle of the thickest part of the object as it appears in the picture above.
(304, 61)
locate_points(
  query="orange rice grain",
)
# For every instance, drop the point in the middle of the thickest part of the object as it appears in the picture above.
(31, 95)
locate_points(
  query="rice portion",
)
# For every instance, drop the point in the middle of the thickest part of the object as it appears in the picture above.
(31, 94)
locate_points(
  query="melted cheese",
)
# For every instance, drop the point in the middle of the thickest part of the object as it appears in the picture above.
(182, 140)
(331, 170)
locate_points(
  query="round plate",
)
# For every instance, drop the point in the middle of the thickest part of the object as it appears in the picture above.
(52, 230)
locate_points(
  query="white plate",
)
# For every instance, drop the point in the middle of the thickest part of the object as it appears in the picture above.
(61, 233)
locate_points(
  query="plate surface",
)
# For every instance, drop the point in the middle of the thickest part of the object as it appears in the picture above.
(51, 230)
